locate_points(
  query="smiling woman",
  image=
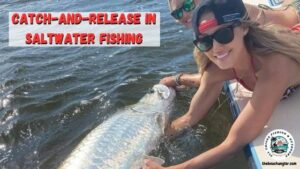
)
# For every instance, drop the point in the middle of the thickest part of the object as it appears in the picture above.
(181, 10)
(265, 59)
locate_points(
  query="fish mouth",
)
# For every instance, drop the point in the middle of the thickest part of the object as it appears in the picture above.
(163, 90)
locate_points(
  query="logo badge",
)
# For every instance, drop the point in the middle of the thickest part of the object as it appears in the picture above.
(279, 144)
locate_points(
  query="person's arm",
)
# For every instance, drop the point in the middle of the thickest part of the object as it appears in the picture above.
(251, 121)
(206, 95)
(286, 18)
(185, 79)
(204, 98)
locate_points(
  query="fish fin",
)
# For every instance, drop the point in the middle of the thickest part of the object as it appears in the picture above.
(161, 120)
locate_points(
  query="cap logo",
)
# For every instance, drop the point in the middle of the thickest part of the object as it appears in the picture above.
(207, 24)
(231, 17)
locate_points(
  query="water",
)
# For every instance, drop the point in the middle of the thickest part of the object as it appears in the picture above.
(50, 98)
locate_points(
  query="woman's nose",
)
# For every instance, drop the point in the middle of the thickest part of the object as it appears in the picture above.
(217, 46)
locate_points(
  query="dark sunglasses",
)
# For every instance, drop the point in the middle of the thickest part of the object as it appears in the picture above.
(223, 35)
(188, 6)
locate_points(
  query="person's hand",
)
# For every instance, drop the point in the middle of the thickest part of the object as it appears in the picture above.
(168, 81)
(150, 164)
(177, 127)
(170, 131)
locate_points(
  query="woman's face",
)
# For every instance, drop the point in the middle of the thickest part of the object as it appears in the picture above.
(224, 55)
(186, 15)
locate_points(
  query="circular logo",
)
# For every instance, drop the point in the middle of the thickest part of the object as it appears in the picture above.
(279, 144)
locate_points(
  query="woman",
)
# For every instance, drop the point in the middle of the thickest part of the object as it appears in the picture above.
(265, 60)
(181, 10)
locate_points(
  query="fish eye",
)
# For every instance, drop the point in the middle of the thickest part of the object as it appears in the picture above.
(151, 91)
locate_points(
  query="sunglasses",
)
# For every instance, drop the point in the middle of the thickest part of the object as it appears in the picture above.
(223, 35)
(188, 6)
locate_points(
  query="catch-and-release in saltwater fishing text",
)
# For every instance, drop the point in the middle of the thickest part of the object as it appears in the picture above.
(84, 29)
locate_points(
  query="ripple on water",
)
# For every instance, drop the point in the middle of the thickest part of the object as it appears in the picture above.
(8, 121)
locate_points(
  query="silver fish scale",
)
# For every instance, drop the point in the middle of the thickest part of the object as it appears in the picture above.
(127, 134)
(121, 141)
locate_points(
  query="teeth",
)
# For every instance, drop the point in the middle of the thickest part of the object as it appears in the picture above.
(222, 55)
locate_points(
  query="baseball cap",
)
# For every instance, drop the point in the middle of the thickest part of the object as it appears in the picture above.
(225, 11)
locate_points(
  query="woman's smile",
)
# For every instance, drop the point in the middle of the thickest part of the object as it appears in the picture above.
(222, 56)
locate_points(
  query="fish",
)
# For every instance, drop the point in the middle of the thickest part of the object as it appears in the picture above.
(122, 141)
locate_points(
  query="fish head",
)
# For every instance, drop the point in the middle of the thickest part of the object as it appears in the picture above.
(165, 93)
(159, 99)
(162, 97)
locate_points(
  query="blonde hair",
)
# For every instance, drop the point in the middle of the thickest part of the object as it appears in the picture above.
(271, 39)
(201, 60)
(262, 41)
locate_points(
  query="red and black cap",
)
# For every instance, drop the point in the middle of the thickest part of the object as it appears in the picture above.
(225, 11)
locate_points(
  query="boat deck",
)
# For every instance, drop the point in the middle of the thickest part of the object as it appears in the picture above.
(286, 117)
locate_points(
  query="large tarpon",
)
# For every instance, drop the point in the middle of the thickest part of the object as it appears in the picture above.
(121, 141)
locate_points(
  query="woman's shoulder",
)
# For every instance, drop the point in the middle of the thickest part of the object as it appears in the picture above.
(275, 65)
(268, 62)
(279, 68)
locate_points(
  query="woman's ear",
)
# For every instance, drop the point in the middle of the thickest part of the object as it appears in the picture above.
(245, 30)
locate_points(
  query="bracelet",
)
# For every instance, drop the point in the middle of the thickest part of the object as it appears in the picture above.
(177, 79)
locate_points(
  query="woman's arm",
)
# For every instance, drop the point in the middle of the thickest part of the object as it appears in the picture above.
(269, 88)
(204, 98)
(206, 95)
(266, 96)
(287, 18)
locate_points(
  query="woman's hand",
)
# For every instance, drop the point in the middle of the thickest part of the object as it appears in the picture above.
(168, 81)
(178, 126)
(150, 164)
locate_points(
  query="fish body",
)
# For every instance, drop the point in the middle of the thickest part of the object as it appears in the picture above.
(121, 141)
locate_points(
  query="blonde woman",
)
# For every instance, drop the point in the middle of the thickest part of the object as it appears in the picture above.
(266, 60)
(181, 10)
